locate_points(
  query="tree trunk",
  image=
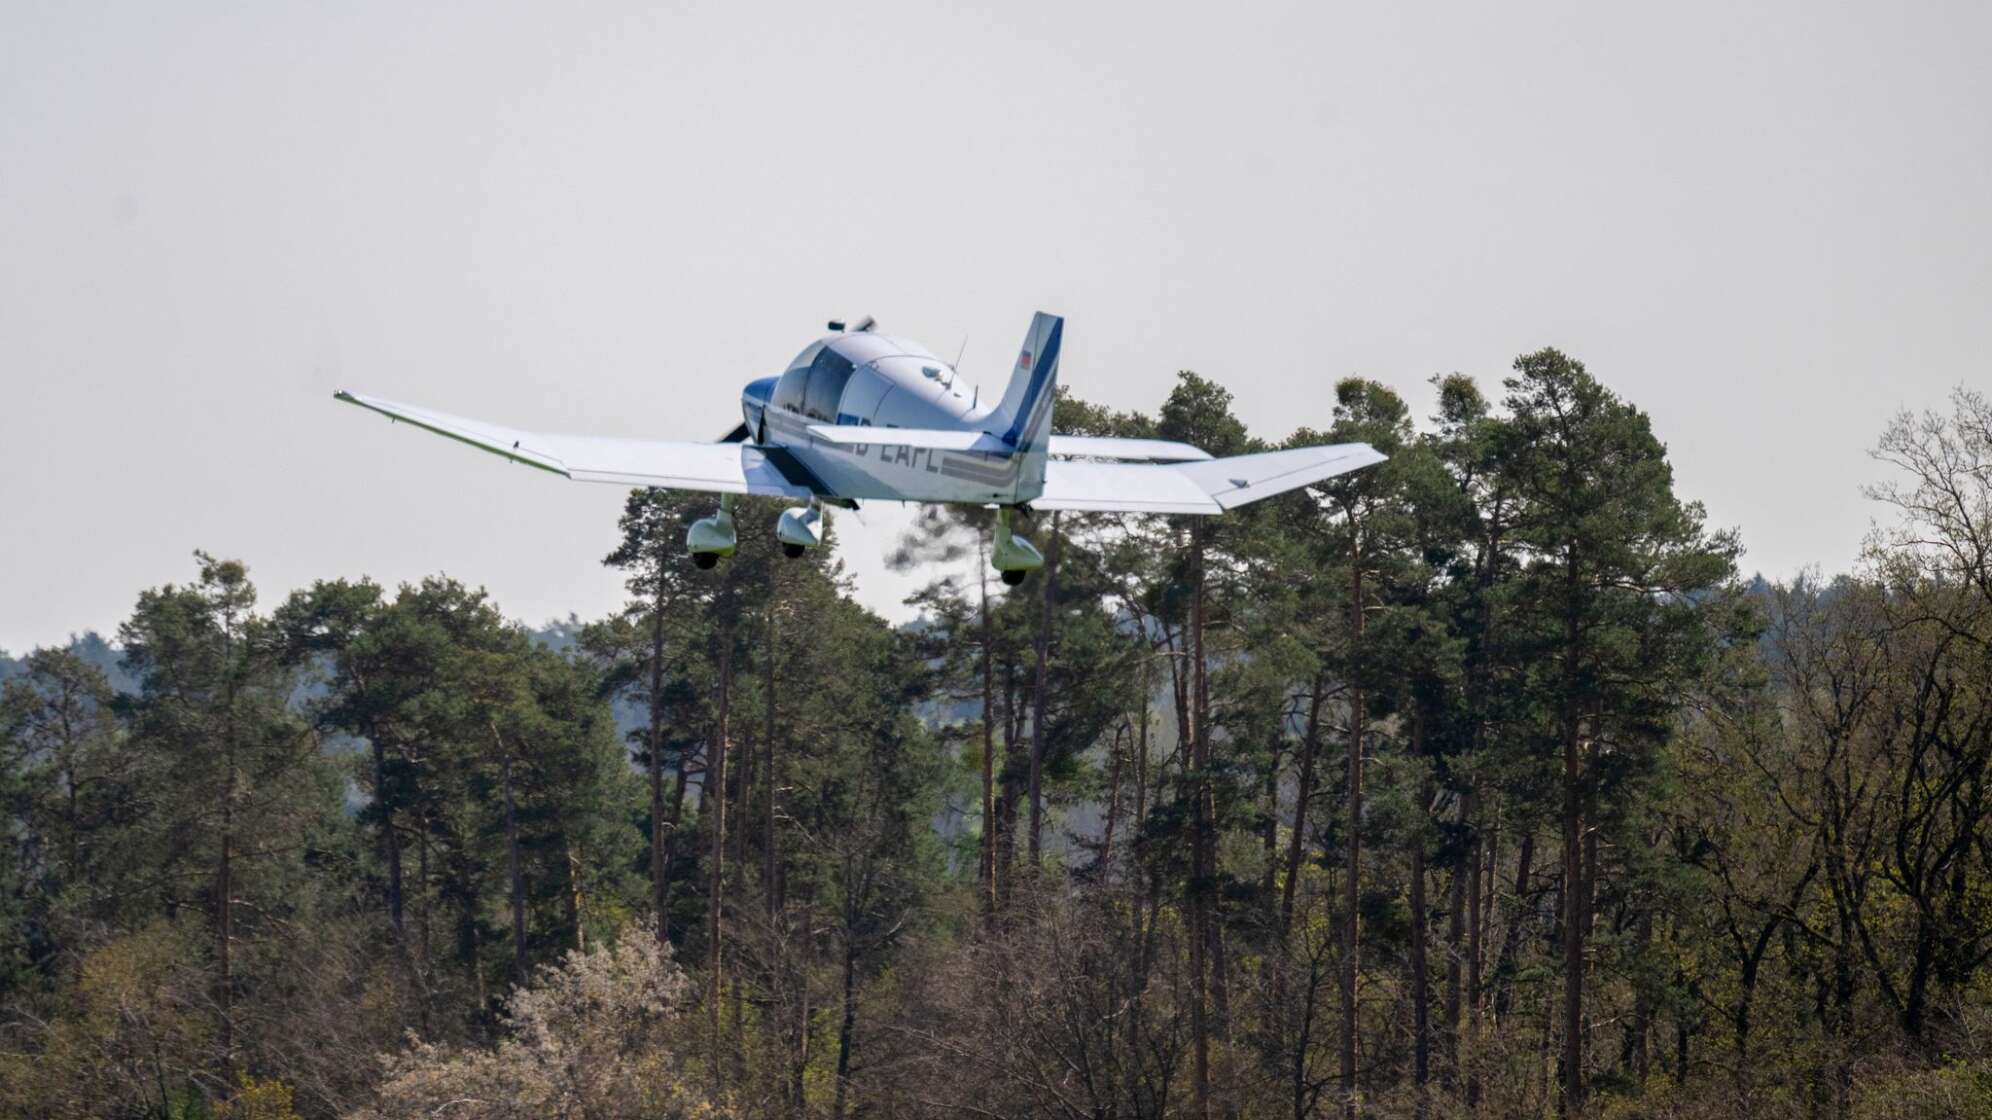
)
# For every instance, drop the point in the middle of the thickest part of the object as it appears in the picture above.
(514, 863)
(660, 866)
(575, 900)
(713, 805)
(1575, 918)
(1475, 934)
(845, 1029)
(1351, 889)
(1310, 749)
(390, 840)
(225, 869)
(1038, 698)
(1113, 807)
(1642, 1003)
(988, 750)
(1220, 960)
(1145, 898)
(1480, 887)
(1421, 995)
(422, 958)
(1511, 940)
(742, 814)
(225, 918)
(1269, 833)
(771, 855)
(681, 782)
(1199, 932)
(1455, 945)
(1012, 791)
(799, 1054)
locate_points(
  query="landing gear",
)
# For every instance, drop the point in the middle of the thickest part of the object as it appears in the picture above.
(711, 538)
(800, 529)
(1012, 555)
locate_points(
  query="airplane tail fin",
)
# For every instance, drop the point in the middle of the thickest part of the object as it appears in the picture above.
(1023, 418)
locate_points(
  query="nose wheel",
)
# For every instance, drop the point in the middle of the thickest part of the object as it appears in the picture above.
(793, 551)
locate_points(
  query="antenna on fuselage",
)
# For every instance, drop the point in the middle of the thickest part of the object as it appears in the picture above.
(863, 325)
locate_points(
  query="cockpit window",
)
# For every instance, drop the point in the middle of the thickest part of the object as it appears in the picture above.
(827, 375)
(789, 390)
(808, 354)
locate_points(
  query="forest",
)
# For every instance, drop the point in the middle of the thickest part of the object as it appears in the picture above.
(1483, 782)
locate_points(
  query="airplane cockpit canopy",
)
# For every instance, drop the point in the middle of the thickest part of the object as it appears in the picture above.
(814, 382)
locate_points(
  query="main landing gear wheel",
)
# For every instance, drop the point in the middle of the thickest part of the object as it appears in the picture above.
(798, 529)
(1012, 555)
(710, 538)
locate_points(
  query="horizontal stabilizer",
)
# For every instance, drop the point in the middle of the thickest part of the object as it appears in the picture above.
(939, 439)
(1068, 447)
(1111, 447)
(1210, 486)
(723, 468)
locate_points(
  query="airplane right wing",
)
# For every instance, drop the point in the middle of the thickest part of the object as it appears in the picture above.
(724, 468)
(1209, 486)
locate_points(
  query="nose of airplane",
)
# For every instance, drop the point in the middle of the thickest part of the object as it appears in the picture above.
(754, 404)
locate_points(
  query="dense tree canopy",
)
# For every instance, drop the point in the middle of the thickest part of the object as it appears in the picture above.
(1476, 783)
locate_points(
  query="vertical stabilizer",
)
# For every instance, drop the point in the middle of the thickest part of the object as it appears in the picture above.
(1023, 418)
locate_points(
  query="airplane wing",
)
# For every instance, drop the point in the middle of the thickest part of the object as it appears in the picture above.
(725, 468)
(1209, 486)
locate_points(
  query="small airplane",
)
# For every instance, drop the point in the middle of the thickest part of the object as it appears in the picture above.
(862, 416)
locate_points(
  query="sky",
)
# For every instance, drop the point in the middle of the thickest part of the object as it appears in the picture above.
(1767, 225)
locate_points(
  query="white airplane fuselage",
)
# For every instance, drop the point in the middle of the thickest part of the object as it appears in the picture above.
(874, 380)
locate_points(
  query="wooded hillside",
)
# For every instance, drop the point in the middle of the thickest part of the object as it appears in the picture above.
(1475, 783)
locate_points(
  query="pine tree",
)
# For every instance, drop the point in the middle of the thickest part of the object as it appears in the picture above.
(1616, 566)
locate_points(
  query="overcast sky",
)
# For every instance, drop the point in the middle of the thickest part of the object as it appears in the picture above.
(1766, 224)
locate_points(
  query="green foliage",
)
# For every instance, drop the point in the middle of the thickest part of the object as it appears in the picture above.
(376, 852)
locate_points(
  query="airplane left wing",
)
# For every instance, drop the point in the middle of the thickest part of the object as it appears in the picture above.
(724, 468)
(1209, 486)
